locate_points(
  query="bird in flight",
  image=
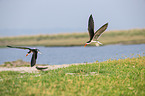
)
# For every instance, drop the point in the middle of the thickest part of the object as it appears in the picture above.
(34, 55)
(94, 36)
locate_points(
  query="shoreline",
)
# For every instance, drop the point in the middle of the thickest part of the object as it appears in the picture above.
(83, 45)
(34, 70)
(133, 36)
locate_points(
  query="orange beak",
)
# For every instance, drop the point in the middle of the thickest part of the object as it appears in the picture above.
(85, 45)
(27, 54)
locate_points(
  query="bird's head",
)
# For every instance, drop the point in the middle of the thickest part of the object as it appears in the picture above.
(33, 51)
(28, 53)
(87, 43)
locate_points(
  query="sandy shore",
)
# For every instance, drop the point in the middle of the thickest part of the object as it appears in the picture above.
(33, 69)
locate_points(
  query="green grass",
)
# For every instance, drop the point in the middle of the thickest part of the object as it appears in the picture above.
(123, 77)
(134, 36)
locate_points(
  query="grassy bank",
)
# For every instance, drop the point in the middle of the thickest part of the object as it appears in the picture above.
(109, 78)
(134, 36)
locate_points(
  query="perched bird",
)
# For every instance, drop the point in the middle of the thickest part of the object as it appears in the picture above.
(34, 51)
(94, 36)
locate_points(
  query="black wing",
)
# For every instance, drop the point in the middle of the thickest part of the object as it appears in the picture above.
(18, 47)
(100, 31)
(33, 59)
(91, 27)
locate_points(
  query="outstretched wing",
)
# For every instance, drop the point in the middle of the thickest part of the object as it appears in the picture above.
(33, 59)
(91, 27)
(18, 47)
(99, 32)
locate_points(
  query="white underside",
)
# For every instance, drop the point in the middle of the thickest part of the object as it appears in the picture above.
(93, 41)
(97, 43)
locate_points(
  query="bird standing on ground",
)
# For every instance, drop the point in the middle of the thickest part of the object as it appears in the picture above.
(94, 36)
(34, 55)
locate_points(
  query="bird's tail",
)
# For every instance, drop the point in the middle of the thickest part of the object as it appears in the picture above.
(39, 52)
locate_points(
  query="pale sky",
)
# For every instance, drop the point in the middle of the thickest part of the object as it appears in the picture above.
(70, 15)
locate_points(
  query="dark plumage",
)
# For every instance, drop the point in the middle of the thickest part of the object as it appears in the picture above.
(94, 36)
(41, 67)
(34, 55)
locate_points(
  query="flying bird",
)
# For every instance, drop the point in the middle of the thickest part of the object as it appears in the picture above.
(34, 55)
(94, 36)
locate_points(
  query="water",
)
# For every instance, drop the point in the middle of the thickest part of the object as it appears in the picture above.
(69, 55)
